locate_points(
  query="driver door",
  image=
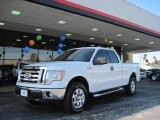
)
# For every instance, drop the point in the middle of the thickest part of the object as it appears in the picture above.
(101, 74)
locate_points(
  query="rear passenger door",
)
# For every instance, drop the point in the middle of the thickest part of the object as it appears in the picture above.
(117, 71)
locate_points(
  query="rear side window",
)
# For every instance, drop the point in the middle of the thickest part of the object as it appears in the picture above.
(113, 56)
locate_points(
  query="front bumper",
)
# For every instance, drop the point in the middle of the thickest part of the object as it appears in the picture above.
(41, 94)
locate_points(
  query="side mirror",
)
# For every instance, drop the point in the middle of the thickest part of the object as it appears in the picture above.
(100, 61)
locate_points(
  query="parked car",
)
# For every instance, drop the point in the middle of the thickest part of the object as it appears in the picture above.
(17, 69)
(143, 75)
(155, 74)
(75, 75)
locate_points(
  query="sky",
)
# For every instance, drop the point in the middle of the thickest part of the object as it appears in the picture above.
(152, 6)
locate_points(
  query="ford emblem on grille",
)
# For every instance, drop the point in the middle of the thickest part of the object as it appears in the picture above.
(27, 75)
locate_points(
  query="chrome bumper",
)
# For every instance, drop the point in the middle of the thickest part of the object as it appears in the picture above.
(42, 94)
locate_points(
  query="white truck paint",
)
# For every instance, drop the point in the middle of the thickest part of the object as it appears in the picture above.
(89, 70)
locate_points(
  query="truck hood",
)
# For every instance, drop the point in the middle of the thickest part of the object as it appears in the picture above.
(58, 64)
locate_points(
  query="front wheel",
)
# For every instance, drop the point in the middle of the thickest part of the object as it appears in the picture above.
(154, 77)
(130, 89)
(76, 98)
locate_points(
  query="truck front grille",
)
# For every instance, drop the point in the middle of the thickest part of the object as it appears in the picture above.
(32, 74)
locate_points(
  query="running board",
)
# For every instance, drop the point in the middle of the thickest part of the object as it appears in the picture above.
(105, 93)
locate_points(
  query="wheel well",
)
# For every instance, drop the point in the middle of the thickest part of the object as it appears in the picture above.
(79, 79)
(133, 75)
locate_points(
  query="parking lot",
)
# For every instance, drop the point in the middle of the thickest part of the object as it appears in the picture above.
(144, 105)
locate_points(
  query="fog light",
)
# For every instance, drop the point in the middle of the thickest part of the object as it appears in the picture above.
(49, 94)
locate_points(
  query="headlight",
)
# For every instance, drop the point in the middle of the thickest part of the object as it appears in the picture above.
(53, 75)
(19, 75)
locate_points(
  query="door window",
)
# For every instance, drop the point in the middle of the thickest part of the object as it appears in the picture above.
(102, 54)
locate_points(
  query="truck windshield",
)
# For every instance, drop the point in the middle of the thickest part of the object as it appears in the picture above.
(76, 55)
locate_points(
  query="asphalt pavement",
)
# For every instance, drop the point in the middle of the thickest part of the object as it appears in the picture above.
(144, 105)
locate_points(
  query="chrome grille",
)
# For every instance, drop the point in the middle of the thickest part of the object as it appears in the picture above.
(32, 74)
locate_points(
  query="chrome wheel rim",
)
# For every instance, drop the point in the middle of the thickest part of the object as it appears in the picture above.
(78, 98)
(133, 86)
(154, 77)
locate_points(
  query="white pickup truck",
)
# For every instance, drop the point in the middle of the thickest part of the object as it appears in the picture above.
(75, 75)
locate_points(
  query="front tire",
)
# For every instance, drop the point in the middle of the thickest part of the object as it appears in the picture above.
(130, 89)
(154, 77)
(76, 98)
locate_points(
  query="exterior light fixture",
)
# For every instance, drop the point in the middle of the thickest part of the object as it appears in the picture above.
(92, 38)
(92, 45)
(119, 35)
(68, 34)
(61, 22)
(15, 12)
(151, 42)
(38, 29)
(110, 42)
(94, 29)
(2, 23)
(137, 39)
(18, 40)
(125, 44)
(25, 36)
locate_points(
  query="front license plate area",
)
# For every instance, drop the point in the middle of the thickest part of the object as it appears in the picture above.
(24, 93)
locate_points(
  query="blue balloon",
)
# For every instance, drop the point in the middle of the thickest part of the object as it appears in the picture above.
(60, 45)
(59, 51)
(62, 38)
(26, 49)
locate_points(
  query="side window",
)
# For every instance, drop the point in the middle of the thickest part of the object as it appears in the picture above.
(113, 56)
(102, 54)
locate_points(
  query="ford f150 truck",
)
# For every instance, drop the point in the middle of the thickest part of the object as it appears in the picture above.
(75, 75)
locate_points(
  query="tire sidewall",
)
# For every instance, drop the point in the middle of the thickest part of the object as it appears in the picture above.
(70, 93)
(132, 79)
(154, 75)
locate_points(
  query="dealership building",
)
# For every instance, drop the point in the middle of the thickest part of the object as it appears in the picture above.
(38, 30)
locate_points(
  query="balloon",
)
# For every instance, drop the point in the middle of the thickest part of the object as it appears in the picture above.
(59, 51)
(39, 38)
(60, 45)
(31, 42)
(62, 38)
(26, 49)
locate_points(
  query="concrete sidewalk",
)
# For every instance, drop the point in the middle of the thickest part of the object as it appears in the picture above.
(148, 114)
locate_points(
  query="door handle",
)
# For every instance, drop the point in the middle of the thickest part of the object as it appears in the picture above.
(111, 68)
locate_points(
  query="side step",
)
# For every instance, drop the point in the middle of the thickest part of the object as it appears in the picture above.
(105, 93)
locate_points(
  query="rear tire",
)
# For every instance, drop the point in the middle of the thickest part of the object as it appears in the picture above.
(130, 89)
(76, 98)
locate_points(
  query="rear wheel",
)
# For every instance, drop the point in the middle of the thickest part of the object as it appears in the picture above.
(76, 98)
(130, 89)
